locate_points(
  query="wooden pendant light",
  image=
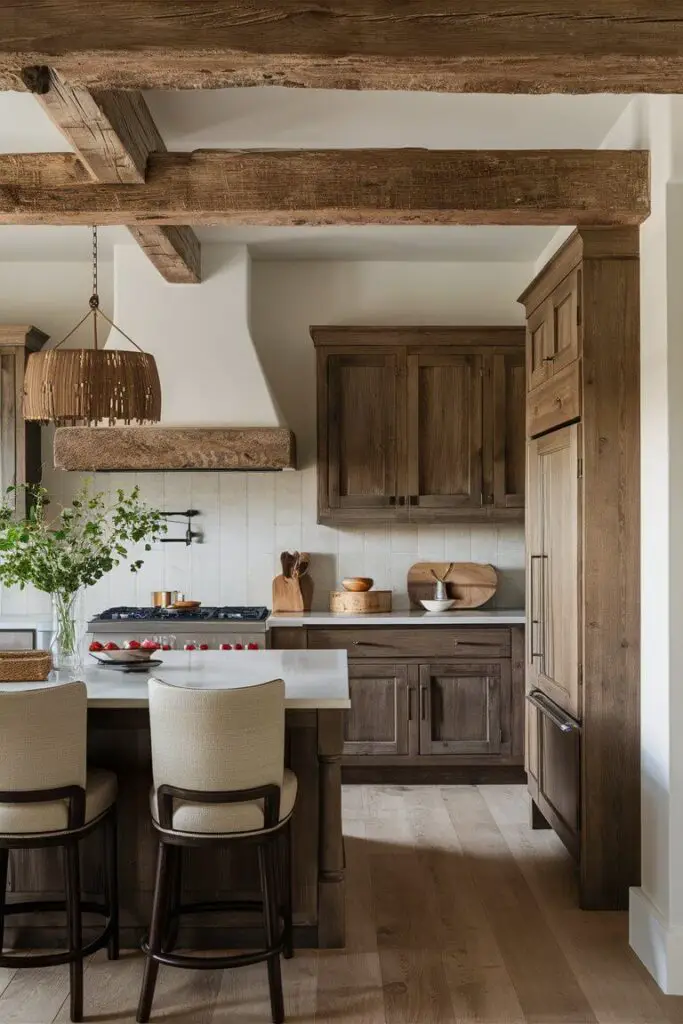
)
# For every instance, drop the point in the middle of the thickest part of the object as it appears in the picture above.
(70, 386)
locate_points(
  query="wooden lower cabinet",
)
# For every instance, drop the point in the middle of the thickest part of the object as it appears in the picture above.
(378, 721)
(418, 707)
(460, 707)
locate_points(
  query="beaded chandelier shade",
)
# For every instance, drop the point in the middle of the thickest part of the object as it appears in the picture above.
(70, 386)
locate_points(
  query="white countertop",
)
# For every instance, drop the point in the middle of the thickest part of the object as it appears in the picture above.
(38, 622)
(472, 617)
(313, 679)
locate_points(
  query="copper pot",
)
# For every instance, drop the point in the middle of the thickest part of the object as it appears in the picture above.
(164, 598)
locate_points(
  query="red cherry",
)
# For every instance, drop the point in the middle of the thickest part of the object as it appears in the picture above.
(189, 647)
(166, 647)
(239, 647)
(111, 646)
(149, 645)
(203, 647)
(252, 647)
(225, 647)
(95, 646)
(133, 645)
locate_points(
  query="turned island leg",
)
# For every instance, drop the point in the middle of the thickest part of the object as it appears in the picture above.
(331, 891)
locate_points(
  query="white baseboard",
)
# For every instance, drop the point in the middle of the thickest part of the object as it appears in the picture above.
(657, 943)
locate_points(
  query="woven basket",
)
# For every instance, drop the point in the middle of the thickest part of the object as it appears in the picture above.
(24, 666)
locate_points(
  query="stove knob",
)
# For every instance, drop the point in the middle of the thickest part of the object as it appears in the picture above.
(238, 647)
(225, 647)
(252, 647)
(203, 647)
(189, 647)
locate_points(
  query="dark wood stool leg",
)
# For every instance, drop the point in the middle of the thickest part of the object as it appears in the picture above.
(271, 920)
(156, 932)
(111, 881)
(288, 951)
(176, 890)
(4, 863)
(72, 884)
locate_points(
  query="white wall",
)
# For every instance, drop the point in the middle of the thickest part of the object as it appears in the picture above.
(249, 518)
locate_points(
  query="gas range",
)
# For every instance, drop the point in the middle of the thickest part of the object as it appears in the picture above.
(230, 627)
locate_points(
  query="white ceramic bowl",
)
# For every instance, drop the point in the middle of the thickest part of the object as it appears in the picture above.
(437, 606)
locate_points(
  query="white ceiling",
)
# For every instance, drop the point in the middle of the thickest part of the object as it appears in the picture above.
(278, 118)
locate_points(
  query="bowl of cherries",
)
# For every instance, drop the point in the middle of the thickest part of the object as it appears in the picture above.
(132, 652)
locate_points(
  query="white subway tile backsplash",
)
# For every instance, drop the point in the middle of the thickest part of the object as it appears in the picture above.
(249, 518)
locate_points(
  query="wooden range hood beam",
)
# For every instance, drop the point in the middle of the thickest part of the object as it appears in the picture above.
(161, 449)
(113, 134)
(384, 186)
(481, 46)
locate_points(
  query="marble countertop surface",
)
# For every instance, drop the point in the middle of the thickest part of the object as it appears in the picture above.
(469, 617)
(313, 679)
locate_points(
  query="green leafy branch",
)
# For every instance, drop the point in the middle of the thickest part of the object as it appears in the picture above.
(79, 544)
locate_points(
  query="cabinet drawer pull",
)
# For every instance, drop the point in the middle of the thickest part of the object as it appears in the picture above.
(539, 700)
(367, 643)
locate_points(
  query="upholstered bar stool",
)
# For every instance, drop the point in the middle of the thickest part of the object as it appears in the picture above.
(219, 779)
(48, 799)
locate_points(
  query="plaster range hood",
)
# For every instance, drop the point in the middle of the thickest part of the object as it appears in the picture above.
(165, 449)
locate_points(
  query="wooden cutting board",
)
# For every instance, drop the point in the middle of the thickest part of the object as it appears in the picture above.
(469, 584)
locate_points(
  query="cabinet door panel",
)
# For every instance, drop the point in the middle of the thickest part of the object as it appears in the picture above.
(444, 431)
(566, 302)
(377, 722)
(553, 566)
(539, 344)
(509, 434)
(460, 707)
(362, 430)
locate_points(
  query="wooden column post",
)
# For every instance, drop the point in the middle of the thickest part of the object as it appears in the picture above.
(331, 865)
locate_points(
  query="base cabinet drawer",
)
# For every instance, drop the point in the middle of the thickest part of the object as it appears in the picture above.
(554, 767)
(422, 642)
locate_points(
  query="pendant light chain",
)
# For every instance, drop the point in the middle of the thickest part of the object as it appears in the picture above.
(94, 298)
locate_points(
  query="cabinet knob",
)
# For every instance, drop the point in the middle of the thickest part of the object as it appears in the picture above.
(548, 359)
(558, 401)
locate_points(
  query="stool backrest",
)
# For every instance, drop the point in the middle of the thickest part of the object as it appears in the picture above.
(217, 740)
(43, 738)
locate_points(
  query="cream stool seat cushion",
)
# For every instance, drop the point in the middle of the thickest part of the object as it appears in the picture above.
(226, 819)
(40, 818)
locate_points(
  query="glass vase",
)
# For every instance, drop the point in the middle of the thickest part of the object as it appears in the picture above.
(67, 631)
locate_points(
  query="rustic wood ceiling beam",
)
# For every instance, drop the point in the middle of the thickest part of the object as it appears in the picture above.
(113, 134)
(385, 186)
(478, 46)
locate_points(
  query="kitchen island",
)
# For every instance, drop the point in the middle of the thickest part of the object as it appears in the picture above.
(316, 696)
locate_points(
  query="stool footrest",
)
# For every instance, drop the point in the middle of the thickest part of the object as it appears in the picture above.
(12, 960)
(213, 963)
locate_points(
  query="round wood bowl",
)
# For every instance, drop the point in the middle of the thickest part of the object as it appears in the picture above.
(357, 584)
(186, 605)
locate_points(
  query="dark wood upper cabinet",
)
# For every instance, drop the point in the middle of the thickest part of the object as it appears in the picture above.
(420, 424)
(362, 429)
(20, 460)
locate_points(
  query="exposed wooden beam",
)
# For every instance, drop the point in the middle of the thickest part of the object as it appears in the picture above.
(174, 251)
(385, 186)
(478, 46)
(113, 134)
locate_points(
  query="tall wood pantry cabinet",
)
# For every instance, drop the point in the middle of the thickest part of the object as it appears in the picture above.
(420, 424)
(20, 460)
(582, 543)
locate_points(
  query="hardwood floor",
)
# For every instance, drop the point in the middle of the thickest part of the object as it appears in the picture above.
(457, 912)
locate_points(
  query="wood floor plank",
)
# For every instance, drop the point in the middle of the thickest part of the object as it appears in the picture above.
(409, 942)
(34, 995)
(595, 945)
(480, 986)
(545, 984)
